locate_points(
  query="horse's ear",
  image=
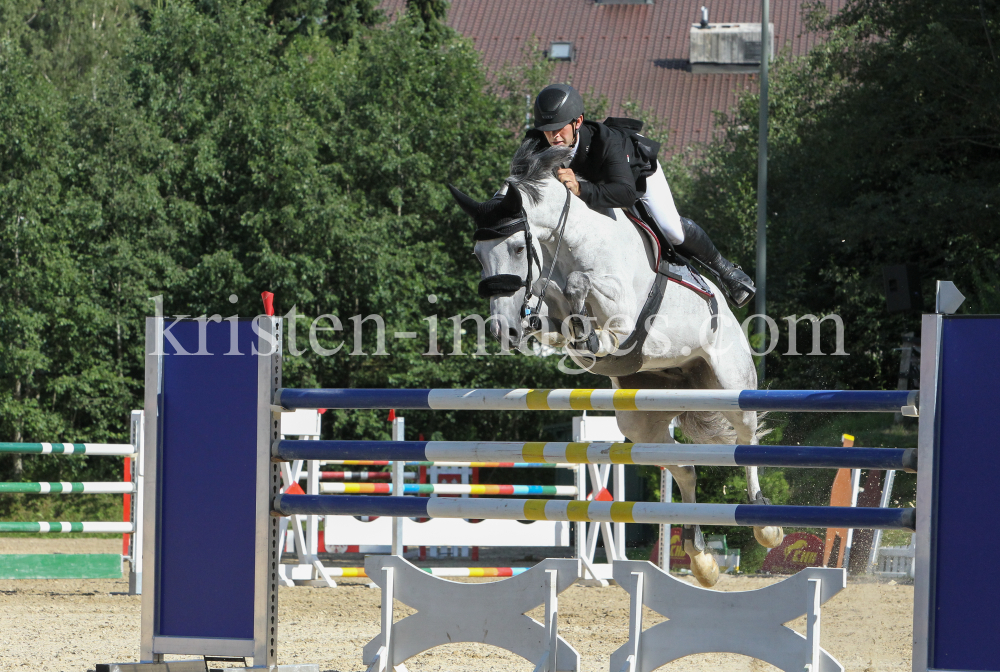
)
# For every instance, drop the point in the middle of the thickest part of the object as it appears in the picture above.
(511, 203)
(467, 203)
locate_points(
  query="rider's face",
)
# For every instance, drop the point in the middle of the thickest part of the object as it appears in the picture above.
(564, 136)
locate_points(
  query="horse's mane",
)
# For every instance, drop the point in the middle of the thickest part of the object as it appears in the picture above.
(530, 168)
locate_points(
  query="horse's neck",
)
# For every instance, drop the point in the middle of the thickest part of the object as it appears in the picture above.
(587, 235)
(610, 250)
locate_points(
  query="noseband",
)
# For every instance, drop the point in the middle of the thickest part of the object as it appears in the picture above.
(504, 283)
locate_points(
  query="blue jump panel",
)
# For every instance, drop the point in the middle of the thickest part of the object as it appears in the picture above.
(965, 598)
(208, 476)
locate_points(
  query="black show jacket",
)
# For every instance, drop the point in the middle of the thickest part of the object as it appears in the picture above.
(604, 158)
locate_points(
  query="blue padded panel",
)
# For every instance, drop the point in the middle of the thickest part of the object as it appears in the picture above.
(208, 481)
(965, 600)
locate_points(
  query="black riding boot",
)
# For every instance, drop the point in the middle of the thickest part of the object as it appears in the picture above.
(697, 245)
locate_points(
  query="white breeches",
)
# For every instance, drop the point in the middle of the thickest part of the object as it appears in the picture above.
(660, 204)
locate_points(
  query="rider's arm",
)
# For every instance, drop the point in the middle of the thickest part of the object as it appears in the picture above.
(615, 187)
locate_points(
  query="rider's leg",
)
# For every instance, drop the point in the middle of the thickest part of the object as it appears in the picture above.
(691, 240)
(698, 245)
(659, 204)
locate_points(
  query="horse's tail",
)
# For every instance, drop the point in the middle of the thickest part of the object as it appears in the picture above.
(706, 427)
(713, 427)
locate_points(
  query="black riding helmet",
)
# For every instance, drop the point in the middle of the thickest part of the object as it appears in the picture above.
(556, 106)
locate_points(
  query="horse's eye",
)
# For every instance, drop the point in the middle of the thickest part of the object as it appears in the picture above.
(520, 249)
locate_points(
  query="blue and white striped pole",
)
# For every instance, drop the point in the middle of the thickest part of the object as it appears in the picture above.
(821, 401)
(597, 512)
(656, 454)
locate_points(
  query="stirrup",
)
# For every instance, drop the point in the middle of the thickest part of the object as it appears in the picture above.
(744, 285)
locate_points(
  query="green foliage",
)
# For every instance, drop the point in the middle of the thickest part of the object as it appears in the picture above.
(336, 20)
(69, 40)
(432, 14)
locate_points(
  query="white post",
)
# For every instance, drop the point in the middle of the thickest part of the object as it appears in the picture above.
(580, 529)
(384, 659)
(619, 494)
(398, 434)
(855, 486)
(552, 618)
(632, 663)
(666, 496)
(887, 482)
(312, 521)
(137, 430)
(812, 624)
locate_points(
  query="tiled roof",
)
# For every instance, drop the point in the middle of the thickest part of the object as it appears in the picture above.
(628, 52)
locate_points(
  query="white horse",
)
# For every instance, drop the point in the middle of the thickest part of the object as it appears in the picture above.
(603, 270)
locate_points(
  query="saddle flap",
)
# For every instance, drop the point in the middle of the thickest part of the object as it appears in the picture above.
(654, 240)
(676, 268)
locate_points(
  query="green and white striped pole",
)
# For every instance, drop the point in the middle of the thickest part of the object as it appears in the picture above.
(121, 449)
(94, 528)
(66, 488)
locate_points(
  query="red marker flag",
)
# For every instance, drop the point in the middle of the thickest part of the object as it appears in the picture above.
(604, 496)
(268, 303)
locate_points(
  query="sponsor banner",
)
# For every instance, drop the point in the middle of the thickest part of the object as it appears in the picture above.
(796, 552)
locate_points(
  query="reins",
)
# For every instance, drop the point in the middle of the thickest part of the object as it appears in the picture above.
(563, 218)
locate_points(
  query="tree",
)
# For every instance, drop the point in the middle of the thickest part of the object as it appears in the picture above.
(336, 20)
(432, 14)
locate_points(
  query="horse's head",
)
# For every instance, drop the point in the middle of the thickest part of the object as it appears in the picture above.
(509, 263)
(507, 245)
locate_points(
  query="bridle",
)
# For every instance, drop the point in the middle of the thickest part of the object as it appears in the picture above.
(506, 283)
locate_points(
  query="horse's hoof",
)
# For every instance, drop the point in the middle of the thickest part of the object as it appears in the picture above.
(769, 537)
(703, 565)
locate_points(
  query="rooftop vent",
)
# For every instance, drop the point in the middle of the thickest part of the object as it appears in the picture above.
(726, 47)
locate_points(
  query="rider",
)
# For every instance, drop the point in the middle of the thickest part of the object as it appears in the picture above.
(605, 157)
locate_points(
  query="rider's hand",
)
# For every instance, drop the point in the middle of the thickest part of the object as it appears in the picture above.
(568, 177)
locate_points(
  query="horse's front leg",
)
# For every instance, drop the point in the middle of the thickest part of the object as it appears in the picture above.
(745, 424)
(772, 535)
(586, 335)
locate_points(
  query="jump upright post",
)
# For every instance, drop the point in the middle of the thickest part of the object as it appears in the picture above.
(216, 437)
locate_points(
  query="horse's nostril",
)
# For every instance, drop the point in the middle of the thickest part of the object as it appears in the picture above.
(512, 333)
